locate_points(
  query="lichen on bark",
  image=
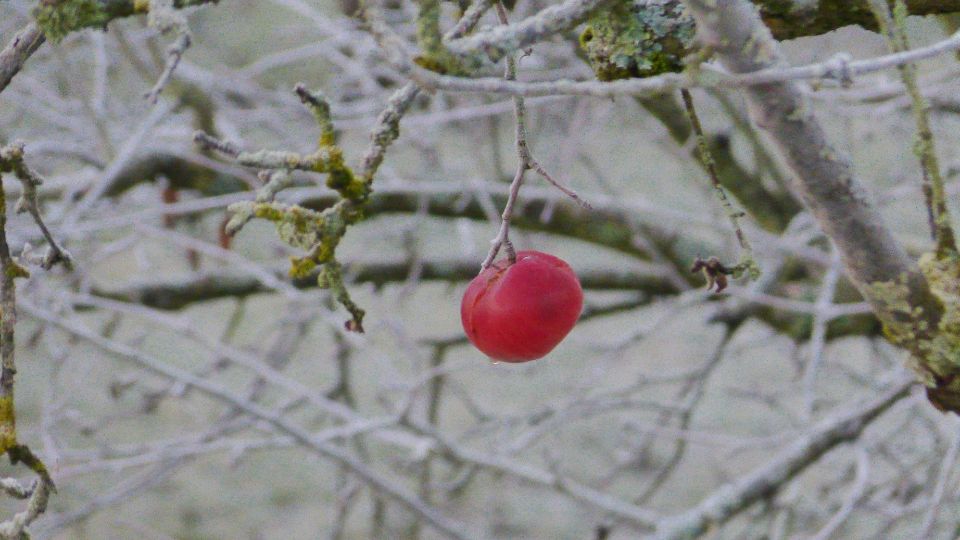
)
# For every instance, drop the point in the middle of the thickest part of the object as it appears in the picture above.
(57, 18)
(641, 39)
(630, 39)
(934, 349)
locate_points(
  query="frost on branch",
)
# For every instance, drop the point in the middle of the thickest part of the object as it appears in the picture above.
(632, 39)
(316, 233)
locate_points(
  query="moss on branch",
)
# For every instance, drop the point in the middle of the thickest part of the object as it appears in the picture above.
(934, 344)
(57, 18)
(630, 40)
(641, 39)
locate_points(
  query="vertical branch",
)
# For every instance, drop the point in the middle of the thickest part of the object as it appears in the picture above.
(10, 270)
(387, 130)
(691, 393)
(433, 398)
(435, 55)
(747, 263)
(320, 108)
(343, 391)
(519, 113)
(893, 29)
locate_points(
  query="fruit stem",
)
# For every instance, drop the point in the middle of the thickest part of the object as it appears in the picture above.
(527, 162)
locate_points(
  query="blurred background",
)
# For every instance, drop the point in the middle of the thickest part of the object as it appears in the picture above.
(661, 394)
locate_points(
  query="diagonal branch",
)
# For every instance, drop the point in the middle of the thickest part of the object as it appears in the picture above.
(730, 499)
(380, 483)
(876, 264)
(15, 54)
(500, 41)
(51, 22)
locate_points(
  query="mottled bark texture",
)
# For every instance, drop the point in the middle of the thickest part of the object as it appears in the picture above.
(641, 38)
(12, 57)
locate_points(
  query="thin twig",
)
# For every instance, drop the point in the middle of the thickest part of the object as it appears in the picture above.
(12, 159)
(174, 54)
(10, 270)
(838, 68)
(469, 20)
(857, 491)
(747, 263)
(526, 161)
(729, 500)
(892, 28)
(947, 467)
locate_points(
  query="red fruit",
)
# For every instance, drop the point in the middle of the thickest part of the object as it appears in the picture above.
(520, 312)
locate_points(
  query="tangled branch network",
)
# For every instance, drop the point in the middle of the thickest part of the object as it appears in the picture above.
(235, 286)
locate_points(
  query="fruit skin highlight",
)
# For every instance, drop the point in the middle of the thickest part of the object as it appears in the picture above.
(520, 312)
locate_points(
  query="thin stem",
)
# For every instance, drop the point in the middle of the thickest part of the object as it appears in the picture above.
(892, 28)
(527, 161)
(469, 20)
(10, 270)
(519, 113)
(710, 166)
(503, 235)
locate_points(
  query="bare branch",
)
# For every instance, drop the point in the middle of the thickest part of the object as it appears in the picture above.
(15, 54)
(824, 178)
(387, 487)
(839, 68)
(727, 501)
(500, 41)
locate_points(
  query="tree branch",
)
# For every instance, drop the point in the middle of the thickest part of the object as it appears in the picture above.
(57, 18)
(499, 41)
(380, 483)
(177, 293)
(729, 500)
(876, 264)
(15, 54)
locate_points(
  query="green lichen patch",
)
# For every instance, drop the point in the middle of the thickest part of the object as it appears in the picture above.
(942, 352)
(57, 18)
(935, 352)
(8, 423)
(435, 55)
(789, 19)
(631, 39)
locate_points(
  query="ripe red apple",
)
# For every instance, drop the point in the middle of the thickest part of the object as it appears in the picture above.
(519, 312)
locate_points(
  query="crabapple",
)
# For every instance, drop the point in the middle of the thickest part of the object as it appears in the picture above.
(519, 312)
